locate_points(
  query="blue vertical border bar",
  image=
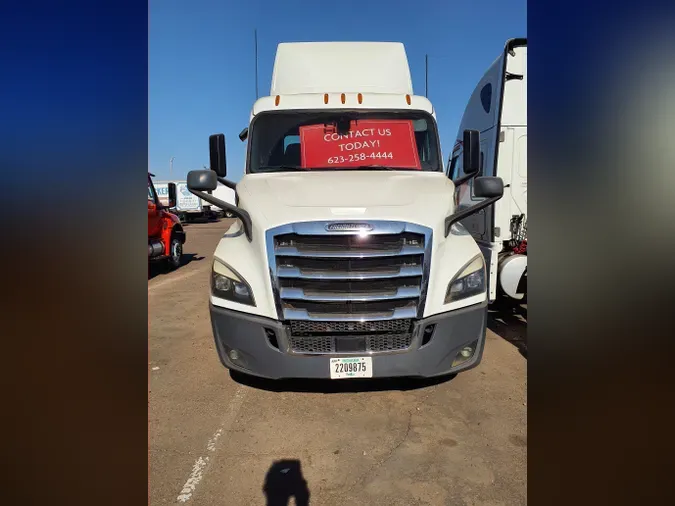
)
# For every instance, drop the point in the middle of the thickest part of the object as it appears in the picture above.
(73, 157)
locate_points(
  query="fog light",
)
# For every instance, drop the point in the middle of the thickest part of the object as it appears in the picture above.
(465, 354)
(234, 355)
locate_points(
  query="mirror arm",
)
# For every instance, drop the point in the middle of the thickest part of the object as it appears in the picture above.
(460, 215)
(466, 177)
(227, 182)
(237, 211)
(159, 205)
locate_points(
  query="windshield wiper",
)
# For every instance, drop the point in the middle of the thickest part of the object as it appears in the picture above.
(279, 168)
(380, 167)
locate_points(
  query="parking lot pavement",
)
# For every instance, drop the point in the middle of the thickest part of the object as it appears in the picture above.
(215, 439)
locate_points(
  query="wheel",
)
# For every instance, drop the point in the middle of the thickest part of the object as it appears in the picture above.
(175, 253)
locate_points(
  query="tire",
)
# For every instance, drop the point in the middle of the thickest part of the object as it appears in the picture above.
(175, 253)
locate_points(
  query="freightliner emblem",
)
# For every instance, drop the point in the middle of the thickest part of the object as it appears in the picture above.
(349, 227)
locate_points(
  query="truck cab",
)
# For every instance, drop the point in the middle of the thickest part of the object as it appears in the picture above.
(165, 233)
(347, 259)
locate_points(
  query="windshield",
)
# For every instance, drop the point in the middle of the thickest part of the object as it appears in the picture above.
(343, 140)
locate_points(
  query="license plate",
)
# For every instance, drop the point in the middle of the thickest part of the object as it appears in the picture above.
(352, 367)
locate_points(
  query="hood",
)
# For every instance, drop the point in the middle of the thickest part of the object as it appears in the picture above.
(425, 198)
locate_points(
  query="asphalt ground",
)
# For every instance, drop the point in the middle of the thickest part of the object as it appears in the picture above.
(222, 439)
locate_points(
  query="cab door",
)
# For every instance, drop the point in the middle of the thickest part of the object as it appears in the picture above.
(477, 223)
(154, 214)
(519, 172)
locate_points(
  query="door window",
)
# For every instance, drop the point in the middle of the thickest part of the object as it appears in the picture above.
(486, 97)
(456, 169)
(152, 196)
(456, 166)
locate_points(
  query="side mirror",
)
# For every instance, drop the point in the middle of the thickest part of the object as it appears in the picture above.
(217, 154)
(243, 135)
(471, 156)
(491, 189)
(471, 161)
(202, 180)
(488, 187)
(172, 195)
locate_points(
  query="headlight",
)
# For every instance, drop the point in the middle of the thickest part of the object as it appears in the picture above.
(470, 281)
(227, 284)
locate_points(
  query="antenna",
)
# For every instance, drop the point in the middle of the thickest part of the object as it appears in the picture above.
(255, 37)
(426, 75)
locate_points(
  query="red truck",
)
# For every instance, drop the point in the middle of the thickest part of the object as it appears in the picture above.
(165, 233)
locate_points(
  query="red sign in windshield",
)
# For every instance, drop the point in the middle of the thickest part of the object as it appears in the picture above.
(368, 142)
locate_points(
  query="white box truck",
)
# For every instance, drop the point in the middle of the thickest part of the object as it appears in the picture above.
(347, 259)
(188, 206)
(498, 110)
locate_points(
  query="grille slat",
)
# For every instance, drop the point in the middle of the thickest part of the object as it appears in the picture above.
(295, 252)
(352, 244)
(350, 309)
(349, 268)
(303, 314)
(410, 292)
(397, 272)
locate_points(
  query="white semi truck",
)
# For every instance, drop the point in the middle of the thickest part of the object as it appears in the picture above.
(498, 110)
(347, 259)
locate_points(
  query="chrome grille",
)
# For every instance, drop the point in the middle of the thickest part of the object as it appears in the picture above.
(328, 276)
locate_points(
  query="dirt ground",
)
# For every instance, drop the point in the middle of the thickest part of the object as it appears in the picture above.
(218, 439)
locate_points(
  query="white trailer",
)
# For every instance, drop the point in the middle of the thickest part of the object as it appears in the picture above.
(498, 110)
(226, 194)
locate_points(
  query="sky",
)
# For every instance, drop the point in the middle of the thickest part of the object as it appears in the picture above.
(202, 64)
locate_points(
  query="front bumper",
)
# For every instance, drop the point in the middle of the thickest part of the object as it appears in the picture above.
(258, 356)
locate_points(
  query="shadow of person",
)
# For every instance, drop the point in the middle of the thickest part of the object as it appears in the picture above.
(284, 480)
(156, 268)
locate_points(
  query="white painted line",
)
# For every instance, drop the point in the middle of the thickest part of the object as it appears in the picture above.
(200, 465)
(193, 480)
